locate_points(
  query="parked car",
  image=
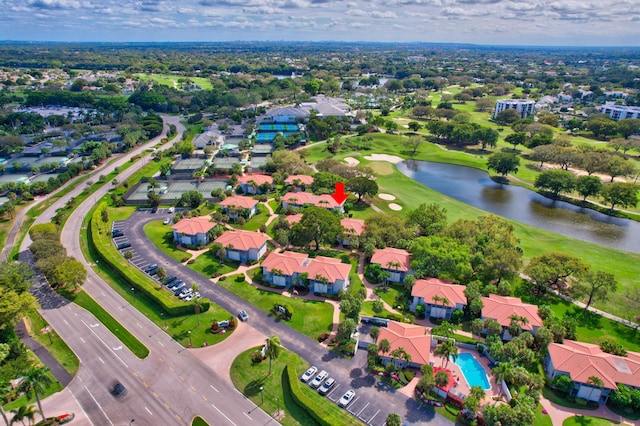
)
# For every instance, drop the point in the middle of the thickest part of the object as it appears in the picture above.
(243, 315)
(326, 386)
(347, 398)
(151, 267)
(178, 289)
(117, 233)
(124, 245)
(317, 381)
(166, 220)
(170, 279)
(184, 293)
(173, 284)
(118, 390)
(188, 298)
(154, 210)
(171, 210)
(309, 373)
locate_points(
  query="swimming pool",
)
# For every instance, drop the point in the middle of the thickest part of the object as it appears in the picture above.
(472, 371)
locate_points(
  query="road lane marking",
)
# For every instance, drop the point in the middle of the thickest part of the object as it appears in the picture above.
(371, 419)
(247, 415)
(160, 343)
(204, 398)
(155, 394)
(118, 348)
(78, 402)
(94, 325)
(360, 412)
(225, 416)
(99, 406)
(171, 368)
(75, 313)
(121, 310)
(194, 389)
(167, 406)
(146, 385)
(104, 343)
(148, 411)
(181, 378)
(83, 341)
(214, 389)
(138, 324)
(65, 321)
(179, 418)
(101, 360)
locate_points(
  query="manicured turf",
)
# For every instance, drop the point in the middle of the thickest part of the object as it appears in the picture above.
(82, 299)
(587, 421)
(256, 221)
(162, 237)
(248, 377)
(542, 419)
(52, 342)
(54, 387)
(210, 266)
(556, 397)
(199, 421)
(311, 318)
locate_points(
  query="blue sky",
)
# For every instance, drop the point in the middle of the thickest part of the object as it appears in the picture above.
(513, 22)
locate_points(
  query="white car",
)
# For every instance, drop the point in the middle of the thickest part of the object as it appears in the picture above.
(166, 220)
(171, 210)
(317, 381)
(347, 398)
(309, 373)
(326, 386)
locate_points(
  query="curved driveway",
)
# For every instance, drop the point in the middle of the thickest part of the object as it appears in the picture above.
(349, 373)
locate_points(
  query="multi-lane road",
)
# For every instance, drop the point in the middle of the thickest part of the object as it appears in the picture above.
(171, 385)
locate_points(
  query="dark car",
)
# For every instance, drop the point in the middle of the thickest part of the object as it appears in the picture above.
(152, 267)
(124, 245)
(117, 233)
(118, 390)
(170, 279)
(154, 210)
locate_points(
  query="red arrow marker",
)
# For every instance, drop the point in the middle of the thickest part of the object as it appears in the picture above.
(339, 195)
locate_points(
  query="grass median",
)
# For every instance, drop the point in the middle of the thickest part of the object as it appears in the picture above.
(47, 337)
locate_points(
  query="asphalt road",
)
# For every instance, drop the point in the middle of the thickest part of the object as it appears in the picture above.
(171, 386)
(371, 400)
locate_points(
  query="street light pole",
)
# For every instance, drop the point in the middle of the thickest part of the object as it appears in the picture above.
(262, 394)
(164, 319)
(190, 344)
(133, 290)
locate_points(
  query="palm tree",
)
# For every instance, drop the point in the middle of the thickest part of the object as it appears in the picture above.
(273, 347)
(374, 333)
(24, 412)
(385, 346)
(35, 382)
(500, 372)
(596, 382)
(477, 392)
(447, 349)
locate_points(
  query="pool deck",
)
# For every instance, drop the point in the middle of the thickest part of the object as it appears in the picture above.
(461, 385)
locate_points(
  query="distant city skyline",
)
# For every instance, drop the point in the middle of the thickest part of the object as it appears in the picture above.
(494, 22)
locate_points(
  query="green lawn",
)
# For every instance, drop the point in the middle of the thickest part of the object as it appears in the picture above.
(557, 398)
(311, 318)
(389, 295)
(210, 266)
(199, 421)
(54, 387)
(84, 300)
(172, 80)
(248, 377)
(256, 221)
(52, 342)
(542, 419)
(587, 421)
(162, 237)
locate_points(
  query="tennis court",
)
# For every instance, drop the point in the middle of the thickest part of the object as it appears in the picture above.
(189, 164)
(278, 128)
(172, 190)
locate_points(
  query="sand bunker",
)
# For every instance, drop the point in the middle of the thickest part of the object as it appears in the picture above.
(387, 197)
(384, 157)
(351, 161)
(395, 207)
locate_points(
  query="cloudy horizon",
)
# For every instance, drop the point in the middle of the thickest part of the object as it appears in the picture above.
(492, 22)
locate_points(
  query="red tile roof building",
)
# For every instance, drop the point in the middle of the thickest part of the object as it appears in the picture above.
(239, 202)
(243, 245)
(301, 199)
(303, 179)
(192, 232)
(581, 361)
(325, 274)
(440, 297)
(396, 261)
(502, 308)
(412, 338)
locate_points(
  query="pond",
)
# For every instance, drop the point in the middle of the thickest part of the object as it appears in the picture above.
(475, 187)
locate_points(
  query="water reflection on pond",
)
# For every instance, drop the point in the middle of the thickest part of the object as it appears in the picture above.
(474, 187)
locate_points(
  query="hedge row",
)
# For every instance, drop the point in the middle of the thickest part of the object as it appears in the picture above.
(133, 277)
(320, 409)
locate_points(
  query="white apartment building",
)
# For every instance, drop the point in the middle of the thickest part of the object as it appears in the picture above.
(523, 106)
(619, 112)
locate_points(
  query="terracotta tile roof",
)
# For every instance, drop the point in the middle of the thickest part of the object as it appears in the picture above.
(239, 201)
(258, 179)
(393, 256)
(291, 262)
(242, 240)
(431, 287)
(412, 338)
(501, 308)
(583, 360)
(304, 179)
(194, 226)
(294, 218)
(353, 226)
(302, 198)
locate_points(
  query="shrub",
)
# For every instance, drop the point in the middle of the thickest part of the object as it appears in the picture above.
(256, 357)
(223, 278)
(323, 337)
(581, 401)
(409, 375)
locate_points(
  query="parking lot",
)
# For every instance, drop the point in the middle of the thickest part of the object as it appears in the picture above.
(360, 407)
(138, 257)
